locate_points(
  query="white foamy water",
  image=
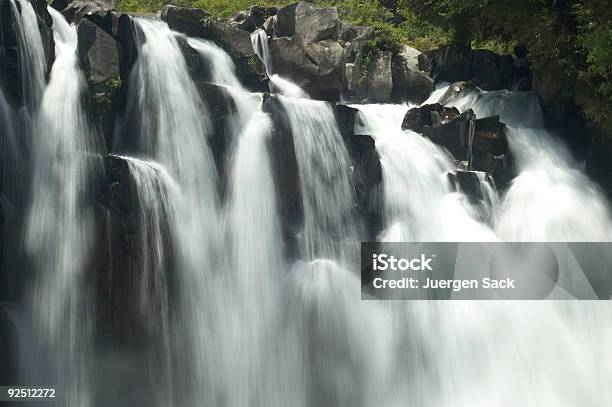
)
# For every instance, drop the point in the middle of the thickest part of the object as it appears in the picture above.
(327, 192)
(419, 203)
(59, 224)
(32, 62)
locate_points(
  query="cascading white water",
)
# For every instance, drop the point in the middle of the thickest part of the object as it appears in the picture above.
(419, 204)
(259, 40)
(548, 178)
(153, 186)
(330, 330)
(173, 126)
(327, 192)
(59, 224)
(32, 62)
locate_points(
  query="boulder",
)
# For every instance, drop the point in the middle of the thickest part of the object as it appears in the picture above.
(324, 56)
(409, 82)
(307, 22)
(253, 18)
(190, 21)
(98, 53)
(428, 116)
(379, 81)
(451, 130)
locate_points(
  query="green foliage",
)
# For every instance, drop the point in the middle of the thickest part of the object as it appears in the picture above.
(569, 42)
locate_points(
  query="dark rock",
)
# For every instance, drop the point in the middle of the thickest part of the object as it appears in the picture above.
(307, 22)
(75, 10)
(98, 53)
(367, 181)
(120, 287)
(222, 109)
(286, 174)
(235, 41)
(409, 82)
(379, 80)
(345, 118)
(434, 115)
(478, 187)
(451, 63)
(457, 90)
(253, 18)
(484, 68)
(8, 350)
(451, 130)
(491, 71)
(599, 161)
(190, 21)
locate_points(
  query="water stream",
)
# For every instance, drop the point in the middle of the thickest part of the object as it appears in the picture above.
(227, 319)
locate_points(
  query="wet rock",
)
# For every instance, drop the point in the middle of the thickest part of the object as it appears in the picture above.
(434, 115)
(222, 110)
(8, 350)
(479, 188)
(120, 287)
(451, 130)
(599, 161)
(367, 181)
(286, 174)
(345, 118)
(409, 82)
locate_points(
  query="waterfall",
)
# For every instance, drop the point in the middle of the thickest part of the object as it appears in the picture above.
(259, 40)
(153, 187)
(247, 296)
(172, 127)
(59, 224)
(548, 178)
(327, 192)
(32, 62)
(419, 204)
